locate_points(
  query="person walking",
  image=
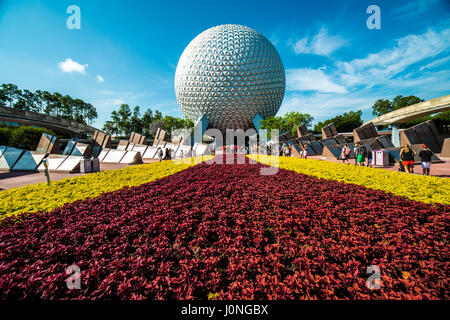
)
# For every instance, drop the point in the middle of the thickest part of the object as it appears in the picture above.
(159, 153)
(361, 158)
(356, 151)
(305, 151)
(369, 159)
(301, 150)
(425, 157)
(345, 153)
(287, 150)
(407, 156)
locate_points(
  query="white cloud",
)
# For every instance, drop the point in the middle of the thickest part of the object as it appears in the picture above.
(99, 78)
(321, 44)
(412, 8)
(305, 79)
(381, 66)
(409, 66)
(324, 106)
(435, 63)
(70, 66)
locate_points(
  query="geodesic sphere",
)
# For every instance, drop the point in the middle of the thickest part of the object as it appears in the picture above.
(229, 73)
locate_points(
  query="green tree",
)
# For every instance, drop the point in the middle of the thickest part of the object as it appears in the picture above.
(383, 106)
(294, 119)
(400, 102)
(135, 121)
(345, 122)
(273, 122)
(10, 93)
(39, 101)
(124, 121)
(90, 113)
(120, 122)
(49, 103)
(146, 121)
(20, 103)
(31, 100)
(287, 123)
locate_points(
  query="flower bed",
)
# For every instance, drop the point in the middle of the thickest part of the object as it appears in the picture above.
(227, 232)
(43, 197)
(426, 189)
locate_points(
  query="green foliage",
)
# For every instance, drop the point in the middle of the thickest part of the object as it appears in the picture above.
(344, 123)
(25, 137)
(49, 103)
(5, 134)
(383, 106)
(289, 122)
(124, 121)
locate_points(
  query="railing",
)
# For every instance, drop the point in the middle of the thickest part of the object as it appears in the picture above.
(34, 118)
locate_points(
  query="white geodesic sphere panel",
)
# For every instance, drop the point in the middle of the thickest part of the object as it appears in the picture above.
(229, 73)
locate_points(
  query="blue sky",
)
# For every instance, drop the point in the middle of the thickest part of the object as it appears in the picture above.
(127, 51)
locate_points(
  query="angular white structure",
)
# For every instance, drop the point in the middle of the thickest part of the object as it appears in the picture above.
(229, 74)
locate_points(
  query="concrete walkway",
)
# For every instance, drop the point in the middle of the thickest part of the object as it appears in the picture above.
(437, 169)
(14, 179)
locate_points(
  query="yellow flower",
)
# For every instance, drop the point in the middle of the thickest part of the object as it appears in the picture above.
(42, 197)
(426, 189)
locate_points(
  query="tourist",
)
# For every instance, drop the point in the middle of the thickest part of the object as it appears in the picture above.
(288, 150)
(305, 152)
(407, 156)
(181, 154)
(361, 158)
(369, 159)
(345, 153)
(301, 150)
(401, 167)
(167, 155)
(159, 154)
(425, 157)
(356, 151)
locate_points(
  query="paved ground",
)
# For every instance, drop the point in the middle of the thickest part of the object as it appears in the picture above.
(437, 169)
(14, 179)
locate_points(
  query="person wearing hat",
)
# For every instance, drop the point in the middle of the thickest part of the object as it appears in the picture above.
(425, 157)
(407, 156)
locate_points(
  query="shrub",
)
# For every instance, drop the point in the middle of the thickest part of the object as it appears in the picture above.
(5, 135)
(25, 137)
(228, 232)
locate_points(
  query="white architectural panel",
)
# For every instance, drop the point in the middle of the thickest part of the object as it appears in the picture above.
(53, 161)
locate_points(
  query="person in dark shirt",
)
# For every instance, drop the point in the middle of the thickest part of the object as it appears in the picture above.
(425, 157)
(407, 156)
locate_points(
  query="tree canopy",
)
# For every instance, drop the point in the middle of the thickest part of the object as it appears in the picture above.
(345, 122)
(124, 121)
(383, 106)
(55, 104)
(288, 122)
